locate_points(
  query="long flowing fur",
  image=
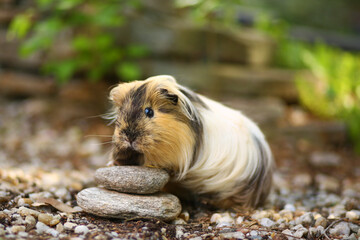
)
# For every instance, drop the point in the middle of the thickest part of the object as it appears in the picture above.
(211, 149)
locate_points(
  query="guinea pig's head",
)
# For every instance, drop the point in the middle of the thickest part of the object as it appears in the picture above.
(156, 124)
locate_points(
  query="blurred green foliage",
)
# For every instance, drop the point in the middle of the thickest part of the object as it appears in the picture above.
(94, 50)
(90, 30)
(334, 89)
(335, 92)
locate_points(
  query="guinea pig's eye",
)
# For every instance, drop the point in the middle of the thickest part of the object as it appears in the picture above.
(149, 112)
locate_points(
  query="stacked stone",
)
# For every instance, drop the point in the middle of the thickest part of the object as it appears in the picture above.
(128, 192)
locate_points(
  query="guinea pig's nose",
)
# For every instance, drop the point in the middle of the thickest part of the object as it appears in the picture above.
(131, 135)
(131, 138)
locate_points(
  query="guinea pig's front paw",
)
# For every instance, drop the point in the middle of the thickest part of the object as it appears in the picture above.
(111, 163)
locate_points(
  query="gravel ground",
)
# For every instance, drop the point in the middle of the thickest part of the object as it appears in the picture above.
(43, 166)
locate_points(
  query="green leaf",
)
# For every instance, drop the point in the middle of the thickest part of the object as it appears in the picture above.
(34, 44)
(50, 27)
(136, 51)
(108, 16)
(128, 71)
(95, 73)
(68, 4)
(103, 41)
(81, 43)
(44, 3)
(63, 70)
(20, 26)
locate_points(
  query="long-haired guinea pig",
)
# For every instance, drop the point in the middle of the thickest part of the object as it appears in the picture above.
(210, 149)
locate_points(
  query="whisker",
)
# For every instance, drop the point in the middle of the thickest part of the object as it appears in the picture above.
(95, 116)
(103, 143)
(87, 136)
(110, 116)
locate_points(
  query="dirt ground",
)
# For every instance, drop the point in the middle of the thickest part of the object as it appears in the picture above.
(50, 148)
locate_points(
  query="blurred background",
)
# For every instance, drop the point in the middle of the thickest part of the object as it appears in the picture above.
(293, 66)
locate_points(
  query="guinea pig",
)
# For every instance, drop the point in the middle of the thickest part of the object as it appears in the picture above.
(210, 149)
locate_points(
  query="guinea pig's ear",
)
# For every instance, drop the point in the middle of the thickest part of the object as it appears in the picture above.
(162, 78)
(117, 94)
(173, 98)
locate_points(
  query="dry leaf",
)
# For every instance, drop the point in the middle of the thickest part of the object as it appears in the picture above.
(56, 204)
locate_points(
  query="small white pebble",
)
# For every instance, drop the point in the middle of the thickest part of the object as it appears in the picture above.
(233, 235)
(59, 227)
(239, 220)
(223, 225)
(24, 202)
(341, 229)
(353, 215)
(91, 226)
(17, 228)
(321, 221)
(185, 215)
(227, 219)
(215, 218)
(354, 227)
(81, 230)
(41, 227)
(179, 231)
(17, 219)
(49, 219)
(287, 232)
(266, 222)
(69, 225)
(196, 238)
(30, 222)
(53, 232)
(261, 214)
(24, 211)
(178, 221)
(63, 194)
(290, 207)
(300, 232)
(254, 233)
(35, 196)
(23, 234)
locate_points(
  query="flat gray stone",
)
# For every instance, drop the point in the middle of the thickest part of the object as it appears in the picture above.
(111, 204)
(132, 179)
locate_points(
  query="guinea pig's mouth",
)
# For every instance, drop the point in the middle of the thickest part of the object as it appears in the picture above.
(128, 157)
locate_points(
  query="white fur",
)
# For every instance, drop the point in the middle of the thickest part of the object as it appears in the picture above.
(228, 156)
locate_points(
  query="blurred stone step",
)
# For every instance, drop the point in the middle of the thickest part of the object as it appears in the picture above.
(266, 112)
(10, 8)
(9, 54)
(316, 132)
(314, 35)
(231, 79)
(172, 37)
(17, 84)
(7, 14)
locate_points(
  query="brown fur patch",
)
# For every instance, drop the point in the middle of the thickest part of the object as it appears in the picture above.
(161, 139)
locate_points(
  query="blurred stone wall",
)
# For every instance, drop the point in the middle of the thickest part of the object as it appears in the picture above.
(232, 66)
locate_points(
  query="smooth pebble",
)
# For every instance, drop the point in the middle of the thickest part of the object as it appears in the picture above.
(132, 179)
(106, 203)
(341, 229)
(353, 215)
(266, 222)
(81, 230)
